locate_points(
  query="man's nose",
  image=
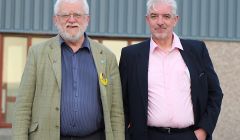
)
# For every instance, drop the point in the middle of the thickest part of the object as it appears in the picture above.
(160, 20)
(71, 19)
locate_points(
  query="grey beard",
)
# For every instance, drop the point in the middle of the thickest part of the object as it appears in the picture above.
(68, 37)
(71, 38)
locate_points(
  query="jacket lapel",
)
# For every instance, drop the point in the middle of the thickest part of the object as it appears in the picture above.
(142, 71)
(55, 59)
(100, 61)
(98, 56)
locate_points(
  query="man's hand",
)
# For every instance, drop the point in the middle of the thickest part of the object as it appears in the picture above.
(201, 134)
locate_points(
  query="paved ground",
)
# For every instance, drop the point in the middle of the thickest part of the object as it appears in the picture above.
(5, 134)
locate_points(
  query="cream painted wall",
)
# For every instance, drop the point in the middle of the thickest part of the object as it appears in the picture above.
(115, 46)
(15, 51)
(36, 40)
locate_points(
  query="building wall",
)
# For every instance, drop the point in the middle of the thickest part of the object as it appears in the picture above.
(201, 19)
(226, 59)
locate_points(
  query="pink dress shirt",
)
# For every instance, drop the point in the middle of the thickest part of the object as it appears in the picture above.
(169, 98)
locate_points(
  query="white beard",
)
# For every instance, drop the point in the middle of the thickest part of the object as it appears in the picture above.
(71, 38)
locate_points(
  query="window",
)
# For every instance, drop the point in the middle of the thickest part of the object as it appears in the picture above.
(14, 59)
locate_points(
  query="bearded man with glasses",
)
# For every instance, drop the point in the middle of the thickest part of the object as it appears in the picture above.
(70, 88)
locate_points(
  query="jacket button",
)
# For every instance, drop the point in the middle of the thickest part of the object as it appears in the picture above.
(57, 108)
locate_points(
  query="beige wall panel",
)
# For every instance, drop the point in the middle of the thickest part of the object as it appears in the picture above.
(15, 52)
(226, 59)
(36, 40)
(115, 46)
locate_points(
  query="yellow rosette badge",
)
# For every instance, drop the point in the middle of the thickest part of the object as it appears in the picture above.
(103, 79)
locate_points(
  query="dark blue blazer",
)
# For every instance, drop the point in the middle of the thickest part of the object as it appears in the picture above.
(205, 88)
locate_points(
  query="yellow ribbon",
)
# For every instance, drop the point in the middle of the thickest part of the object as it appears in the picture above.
(103, 79)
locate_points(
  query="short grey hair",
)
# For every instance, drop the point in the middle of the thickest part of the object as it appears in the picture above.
(172, 3)
(58, 2)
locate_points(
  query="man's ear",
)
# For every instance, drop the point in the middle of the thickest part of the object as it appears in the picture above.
(147, 19)
(88, 18)
(176, 18)
(54, 18)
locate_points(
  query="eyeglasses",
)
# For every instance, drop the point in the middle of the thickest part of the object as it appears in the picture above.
(74, 15)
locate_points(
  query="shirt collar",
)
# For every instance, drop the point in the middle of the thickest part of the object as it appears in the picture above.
(175, 44)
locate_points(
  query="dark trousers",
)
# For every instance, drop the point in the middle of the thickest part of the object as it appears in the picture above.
(99, 135)
(156, 135)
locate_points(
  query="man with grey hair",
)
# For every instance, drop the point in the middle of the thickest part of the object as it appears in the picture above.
(170, 88)
(70, 88)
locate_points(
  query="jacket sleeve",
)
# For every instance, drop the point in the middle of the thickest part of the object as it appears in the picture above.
(24, 100)
(117, 116)
(209, 118)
